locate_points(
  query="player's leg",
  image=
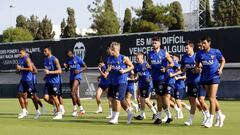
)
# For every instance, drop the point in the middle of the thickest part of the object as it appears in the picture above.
(98, 99)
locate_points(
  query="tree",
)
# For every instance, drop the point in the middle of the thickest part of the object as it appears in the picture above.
(63, 25)
(176, 15)
(127, 21)
(70, 29)
(150, 17)
(104, 18)
(33, 25)
(226, 12)
(45, 29)
(21, 21)
(16, 34)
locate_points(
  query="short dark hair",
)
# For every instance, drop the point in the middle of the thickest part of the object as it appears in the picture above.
(23, 49)
(100, 60)
(68, 51)
(47, 47)
(156, 39)
(176, 55)
(189, 42)
(207, 38)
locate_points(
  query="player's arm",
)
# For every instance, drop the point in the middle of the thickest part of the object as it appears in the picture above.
(58, 71)
(83, 66)
(35, 71)
(183, 77)
(104, 74)
(171, 63)
(179, 71)
(129, 64)
(28, 68)
(222, 63)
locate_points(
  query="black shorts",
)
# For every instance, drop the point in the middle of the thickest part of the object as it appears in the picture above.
(52, 89)
(145, 91)
(192, 90)
(103, 86)
(26, 86)
(159, 87)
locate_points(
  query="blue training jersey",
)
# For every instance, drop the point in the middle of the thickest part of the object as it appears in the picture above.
(144, 75)
(26, 75)
(156, 61)
(210, 63)
(188, 62)
(49, 63)
(104, 81)
(116, 64)
(180, 83)
(169, 80)
(75, 63)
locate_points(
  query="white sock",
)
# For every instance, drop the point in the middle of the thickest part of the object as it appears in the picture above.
(159, 115)
(168, 113)
(129, 110)
(111, 112)
(75, 107)
(176, 107)
(207, 113)
(81, 107)
(211, 118)
(61, 107)
(219, 113)
(153, 110)
(24, 110)
(191, 117)
(187, 107)
(99, 107)
(142, 113)
(116, 115)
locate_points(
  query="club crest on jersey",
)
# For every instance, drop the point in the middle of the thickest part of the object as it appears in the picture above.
(212, 56)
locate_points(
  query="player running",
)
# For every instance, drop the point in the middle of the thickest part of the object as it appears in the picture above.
(212, 62)
(76, 66)
(52, 80)
(119, 66)
(156, 60)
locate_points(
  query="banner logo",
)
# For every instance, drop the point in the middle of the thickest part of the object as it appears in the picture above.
(79, 50)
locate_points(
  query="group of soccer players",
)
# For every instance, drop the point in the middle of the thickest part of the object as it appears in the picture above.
(167, 76)
(161, 73)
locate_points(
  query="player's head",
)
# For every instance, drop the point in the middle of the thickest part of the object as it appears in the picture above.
(115, 48)
(176, 57)
(206, 42)
(156, 43)
(47, 51)
(199, 45)
(22, 52)
(100, 62)
(189, 46)
(69, 53)
(139, 57)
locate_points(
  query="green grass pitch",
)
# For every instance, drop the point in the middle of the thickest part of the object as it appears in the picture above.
(97, 124)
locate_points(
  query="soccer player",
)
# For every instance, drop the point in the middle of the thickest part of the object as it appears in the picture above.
(119, 66)
(52, 80)
(24, 67)
(156, 60)
(141, 70)
(35, 98)
(103, 83)
(193, 78)
(179, 86)
(76, 66)
(212, 63)
(202, 94)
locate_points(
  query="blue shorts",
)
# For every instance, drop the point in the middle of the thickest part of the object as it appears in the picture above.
(193, 90)
(212, 81)
(52, 89)
(26, 86)
(202, 92)
(71, 82)
(103, 86)
(159, 87)
(179, 93)
(130, 90)
(119, 91)
(145, 91)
